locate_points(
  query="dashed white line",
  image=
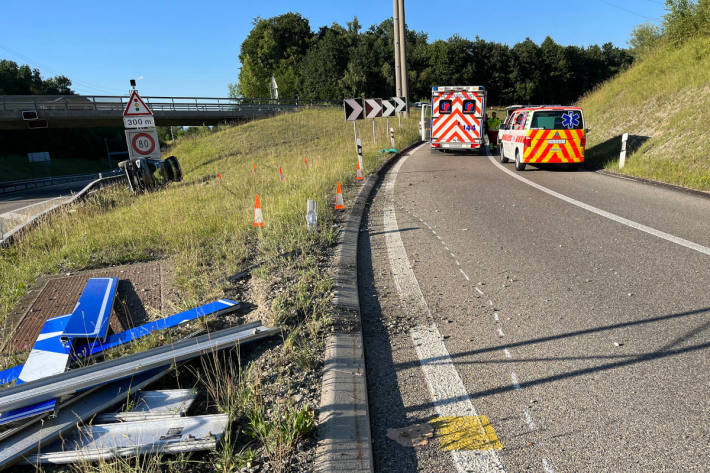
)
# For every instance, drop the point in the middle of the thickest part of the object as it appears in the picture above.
(464, 274)
(616, 218)
(507, 353)
(457, 263)
(514, 380)
(500, 332)
(478, 291)
(495, 316)
(490, 302)
(529, 420)
(447, 390)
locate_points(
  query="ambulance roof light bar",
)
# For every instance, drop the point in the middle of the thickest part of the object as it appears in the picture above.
(468, 88)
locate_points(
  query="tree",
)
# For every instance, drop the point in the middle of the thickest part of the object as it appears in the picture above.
(643, 38)
(22, 80)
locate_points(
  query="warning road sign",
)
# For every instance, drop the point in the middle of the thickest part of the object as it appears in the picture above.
(143, 143)
(136, 107)
(373, 108)
(138, 122)
(400, 103)
(353, 109)
(388, 108)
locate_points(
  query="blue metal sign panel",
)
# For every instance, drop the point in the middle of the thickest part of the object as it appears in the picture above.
(92, 312)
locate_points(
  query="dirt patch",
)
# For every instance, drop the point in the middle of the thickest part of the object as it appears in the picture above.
(142, 290)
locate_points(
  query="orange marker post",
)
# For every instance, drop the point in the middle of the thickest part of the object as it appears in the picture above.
(281, 173)
(339, 204)
(253, 168)
(358, 176)
(306, 161)
(258, 217)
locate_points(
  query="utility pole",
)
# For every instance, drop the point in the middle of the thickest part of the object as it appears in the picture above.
(403, 56)
(397, 71)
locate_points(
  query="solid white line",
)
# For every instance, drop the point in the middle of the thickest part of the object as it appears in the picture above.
(464, 274)
(546, 466)
(507, 353)
(479, 291)
(514, 379)
(500, 332)
(624, 221)
(447, 390)
(529, 420)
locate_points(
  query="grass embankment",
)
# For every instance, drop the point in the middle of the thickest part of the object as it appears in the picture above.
(663, 102)
(204, 228)
(15, 167)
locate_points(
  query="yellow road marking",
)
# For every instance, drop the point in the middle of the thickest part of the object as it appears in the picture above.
(466, 433)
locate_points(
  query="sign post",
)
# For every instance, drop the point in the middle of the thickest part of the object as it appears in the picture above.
(400, 104)
(141, 135)
(388, 109)
(354, 110)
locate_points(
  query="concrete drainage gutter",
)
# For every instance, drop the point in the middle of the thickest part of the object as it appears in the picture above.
(344, 438)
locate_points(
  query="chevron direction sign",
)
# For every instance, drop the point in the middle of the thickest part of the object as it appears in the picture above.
(388, 108)
(354, 109)
(373, 108)
(400, 104)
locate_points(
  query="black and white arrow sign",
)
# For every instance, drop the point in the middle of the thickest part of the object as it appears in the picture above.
(400, 104)
(388, 108)
(373, 108)
(353, 109)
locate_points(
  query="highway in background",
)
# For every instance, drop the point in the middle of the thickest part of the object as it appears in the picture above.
(571, 309)
(16, 200)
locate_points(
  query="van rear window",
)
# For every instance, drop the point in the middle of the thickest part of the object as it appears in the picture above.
(557, 120)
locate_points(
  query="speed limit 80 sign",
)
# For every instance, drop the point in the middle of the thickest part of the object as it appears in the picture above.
(143, 143)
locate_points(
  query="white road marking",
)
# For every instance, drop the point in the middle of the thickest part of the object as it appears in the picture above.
(464, 274)
(490, 302)
(447, 390)
(529, 420)
(495, 316)
(500, 332)
(546, 466)
(447, 249)
(514, 379)
(507, 353)
(616, 218)
(457, 263)
(433, 232)
(478, 291)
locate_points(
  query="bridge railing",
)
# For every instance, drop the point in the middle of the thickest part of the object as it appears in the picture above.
(157, 104)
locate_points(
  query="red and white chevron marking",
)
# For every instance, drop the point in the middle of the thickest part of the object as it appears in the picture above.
(456, 126)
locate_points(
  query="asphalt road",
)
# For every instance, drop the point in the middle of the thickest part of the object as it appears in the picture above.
(583, 337)
(16, 200)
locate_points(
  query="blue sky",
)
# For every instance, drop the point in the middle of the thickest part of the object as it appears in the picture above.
(182, 48)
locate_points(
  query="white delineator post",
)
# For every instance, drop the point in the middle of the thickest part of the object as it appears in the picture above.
(359, 155)
(311, 214)
(622, 155)
(392, 137)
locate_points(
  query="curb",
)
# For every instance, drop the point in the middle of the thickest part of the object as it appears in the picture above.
(10, 236)
(344, 438)
(685, 190)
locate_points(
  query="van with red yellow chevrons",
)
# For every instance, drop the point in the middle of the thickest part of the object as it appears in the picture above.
(543, 134)
(456, 117)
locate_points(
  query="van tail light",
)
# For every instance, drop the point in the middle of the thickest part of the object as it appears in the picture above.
(435, 145)
(528, 142)
(583, 142)
(473, 145)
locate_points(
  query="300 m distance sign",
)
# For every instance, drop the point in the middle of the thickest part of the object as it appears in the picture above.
(142, 143)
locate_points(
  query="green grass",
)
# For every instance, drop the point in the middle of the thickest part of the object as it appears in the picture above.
(203, 226)
(664, 99)
(17, 167)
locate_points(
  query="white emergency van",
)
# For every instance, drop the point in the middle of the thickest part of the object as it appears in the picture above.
(457, 114)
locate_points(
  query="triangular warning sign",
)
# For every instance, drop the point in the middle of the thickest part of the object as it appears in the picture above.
(136, 107)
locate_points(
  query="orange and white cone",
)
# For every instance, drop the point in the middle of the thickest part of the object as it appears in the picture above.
(258, 217)
(306, 161)
(358, 176)
(281, 173)
(339, 204)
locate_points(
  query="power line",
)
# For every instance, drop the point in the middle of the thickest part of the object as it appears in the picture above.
(629, 11)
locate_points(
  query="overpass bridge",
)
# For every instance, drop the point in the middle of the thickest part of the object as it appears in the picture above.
(75, 111)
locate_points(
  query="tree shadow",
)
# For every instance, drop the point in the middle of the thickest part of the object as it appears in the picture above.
(601, 155)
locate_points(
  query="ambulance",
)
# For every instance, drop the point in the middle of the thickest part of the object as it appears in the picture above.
(457, 113)
(543, 134)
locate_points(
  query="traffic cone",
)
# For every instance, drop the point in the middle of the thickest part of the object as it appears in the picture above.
(258, 217)
(306, 161)
(339, 204)
(281, 173)
(253, 168)
(219, 175)
(359, 172)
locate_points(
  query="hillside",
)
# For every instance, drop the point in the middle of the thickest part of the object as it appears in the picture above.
(663, 101)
